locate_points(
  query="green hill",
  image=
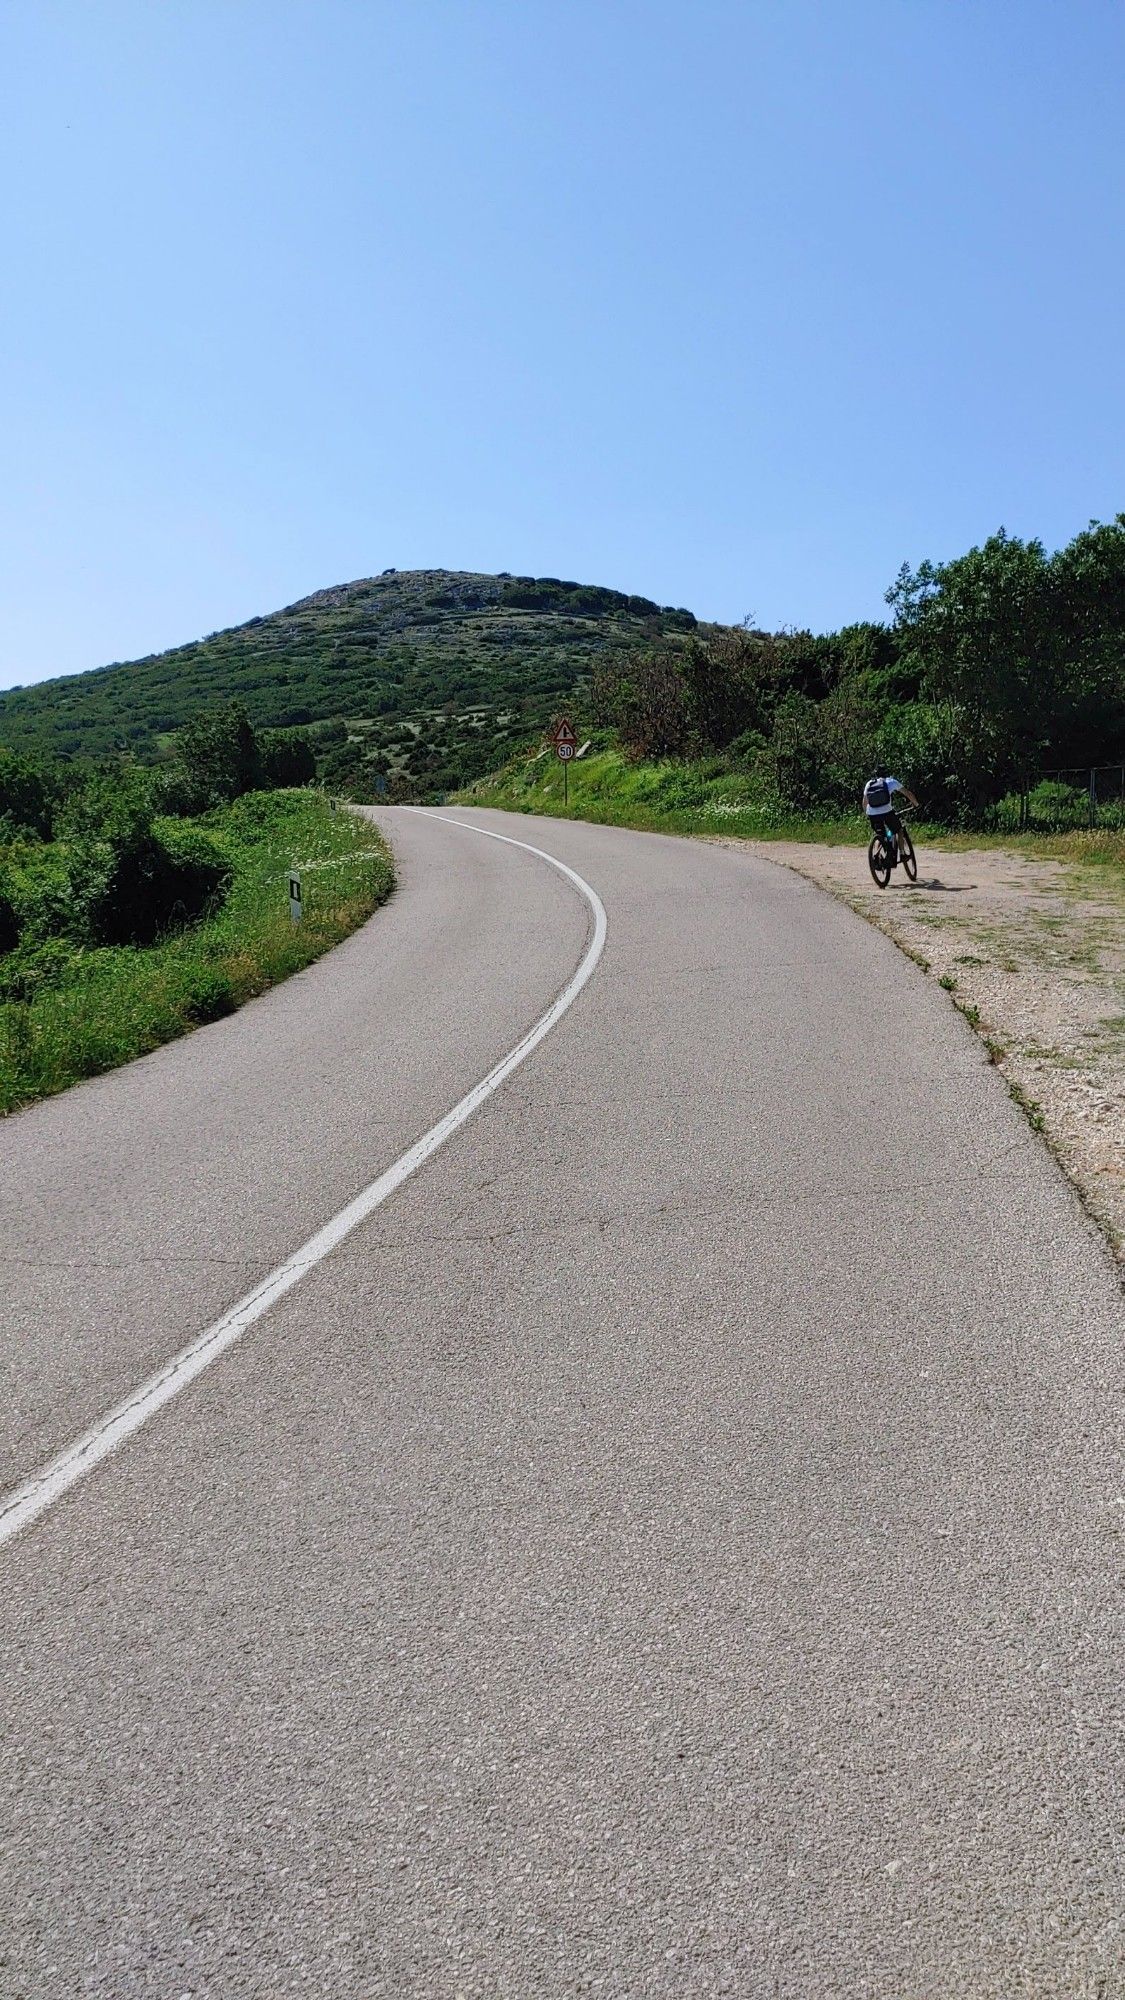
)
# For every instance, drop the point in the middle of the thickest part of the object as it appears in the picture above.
(414, 680)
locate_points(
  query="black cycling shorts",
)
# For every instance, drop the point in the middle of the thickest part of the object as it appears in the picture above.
(884, 823)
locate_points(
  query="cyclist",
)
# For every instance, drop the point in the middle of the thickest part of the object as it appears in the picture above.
(878, 794)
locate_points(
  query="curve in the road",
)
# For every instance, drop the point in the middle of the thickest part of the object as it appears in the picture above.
(23, 1506)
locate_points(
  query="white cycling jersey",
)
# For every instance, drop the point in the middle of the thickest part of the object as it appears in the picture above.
(883, 789)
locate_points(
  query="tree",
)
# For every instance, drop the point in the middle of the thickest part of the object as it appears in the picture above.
(796, 748)
(128, 884)
(1090, 575)
(642, 696)
(25, 795)
(217, 759)
(287, 761)
(988, 632)
(718, 692)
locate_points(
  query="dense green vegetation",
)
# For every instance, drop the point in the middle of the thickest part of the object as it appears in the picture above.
(404, 685)
(663, 794)
(138, 902)
(125, 928)
(107, 853)
(997, 693)
(1000, 666)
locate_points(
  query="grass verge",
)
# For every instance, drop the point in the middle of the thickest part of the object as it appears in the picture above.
(707, 797)
(664, 797)
(111, 1004)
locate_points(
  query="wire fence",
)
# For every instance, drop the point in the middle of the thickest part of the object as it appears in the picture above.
(1076, 795)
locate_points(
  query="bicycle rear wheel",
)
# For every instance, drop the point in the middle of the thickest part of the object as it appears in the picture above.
(879, 860)
(906, 854)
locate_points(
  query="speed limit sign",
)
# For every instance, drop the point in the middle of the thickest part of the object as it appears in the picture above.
(566, 743)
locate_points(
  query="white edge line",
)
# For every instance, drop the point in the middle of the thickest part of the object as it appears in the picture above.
(25, 1504)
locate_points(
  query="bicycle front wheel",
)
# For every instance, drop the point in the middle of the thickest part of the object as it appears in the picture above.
(906, 853)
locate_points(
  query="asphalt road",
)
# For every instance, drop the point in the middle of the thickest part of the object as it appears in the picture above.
(669, 1549)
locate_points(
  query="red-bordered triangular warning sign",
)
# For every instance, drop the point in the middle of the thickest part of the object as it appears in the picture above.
(564, 732)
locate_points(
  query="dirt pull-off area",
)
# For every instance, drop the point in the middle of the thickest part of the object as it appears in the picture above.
(1033, 951)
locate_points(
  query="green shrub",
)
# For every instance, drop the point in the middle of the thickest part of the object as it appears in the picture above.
(70, 1009)
(748, 751)
(128, 885)
(37, 968)
(199, 868)
(38, 887)
(25, 795)
(288, 761)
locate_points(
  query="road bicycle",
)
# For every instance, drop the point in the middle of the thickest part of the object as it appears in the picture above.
(886, 852)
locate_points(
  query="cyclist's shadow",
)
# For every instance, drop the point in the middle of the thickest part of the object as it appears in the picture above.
(946, 888)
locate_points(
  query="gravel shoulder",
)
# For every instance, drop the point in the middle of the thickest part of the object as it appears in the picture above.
(1033, 952)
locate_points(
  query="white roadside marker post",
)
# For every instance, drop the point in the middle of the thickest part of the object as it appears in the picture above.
(295, 909)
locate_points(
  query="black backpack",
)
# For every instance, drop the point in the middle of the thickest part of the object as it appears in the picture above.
(877, 792)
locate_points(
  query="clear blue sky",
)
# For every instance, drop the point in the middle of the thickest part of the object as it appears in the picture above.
(736, 305)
